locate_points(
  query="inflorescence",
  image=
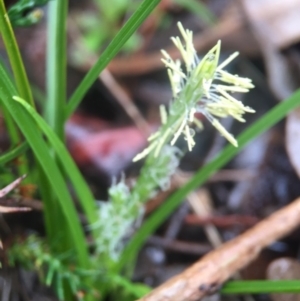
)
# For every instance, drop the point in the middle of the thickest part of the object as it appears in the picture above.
(202, 87)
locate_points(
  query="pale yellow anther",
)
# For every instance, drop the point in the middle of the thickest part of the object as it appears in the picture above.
(153, 136)
(232, 88)
(182, 31)
(178, 132)
(163, 114)
(161, 142)
(228, 60)
(206, 86)
(224, 132)
(198, 123)
(166, 54)
(192, 113)
(145, 152)
(189, 139)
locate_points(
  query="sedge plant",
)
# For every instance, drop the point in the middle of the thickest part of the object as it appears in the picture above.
(63, 258)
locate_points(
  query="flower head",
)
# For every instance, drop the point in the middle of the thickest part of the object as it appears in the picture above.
(202, 86)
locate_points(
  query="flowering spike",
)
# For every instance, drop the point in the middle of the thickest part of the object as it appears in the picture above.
(204, 88)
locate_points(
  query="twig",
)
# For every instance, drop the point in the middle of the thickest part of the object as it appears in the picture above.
(4, 191)
(208, 274)
(13, 209)
(16, 201)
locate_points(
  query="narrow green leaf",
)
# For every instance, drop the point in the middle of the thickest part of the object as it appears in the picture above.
(14, 55)
(13, 132)
(261, 287)
(14, 153)
(41, 151)
(12, 129)
(56, 63)
(85, 196)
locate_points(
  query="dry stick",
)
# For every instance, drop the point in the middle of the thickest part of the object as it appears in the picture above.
(212, 270)
(15, 201)
(13, 209)
(4, 191)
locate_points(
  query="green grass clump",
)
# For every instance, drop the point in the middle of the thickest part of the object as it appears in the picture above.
(86, 259)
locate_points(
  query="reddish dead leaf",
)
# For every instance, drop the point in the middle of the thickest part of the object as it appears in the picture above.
(105, 149)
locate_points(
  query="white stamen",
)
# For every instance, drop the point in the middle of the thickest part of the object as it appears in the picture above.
(163, 114)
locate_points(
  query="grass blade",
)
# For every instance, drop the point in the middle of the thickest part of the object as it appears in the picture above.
(85, 196)
(14, 153)
(261, 287)
(56, 66)
(14, 55)
(58, 186)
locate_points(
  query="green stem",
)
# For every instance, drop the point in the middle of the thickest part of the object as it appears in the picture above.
(261, 287)
(14, 56)
(56, 66)
(13, 132)
(52, 213)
